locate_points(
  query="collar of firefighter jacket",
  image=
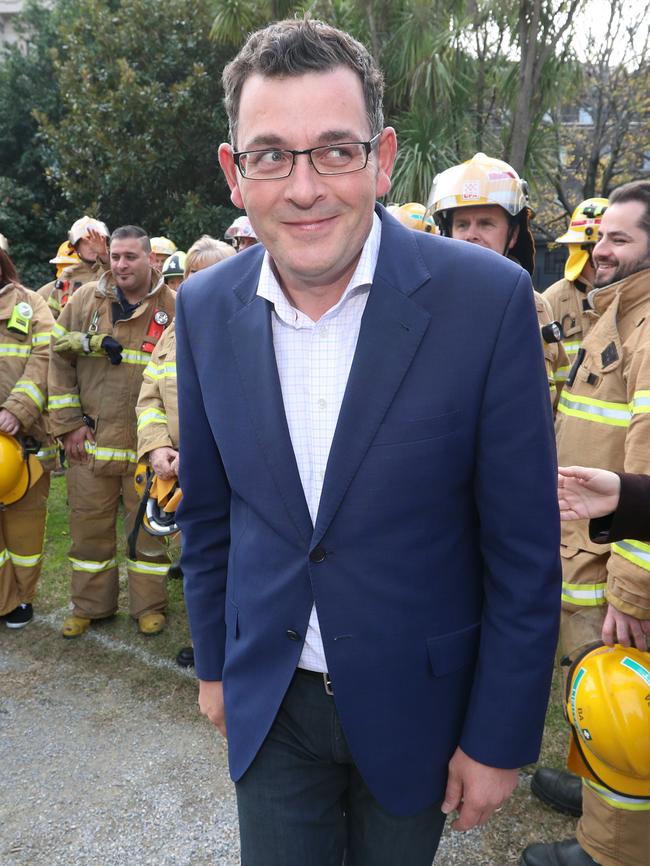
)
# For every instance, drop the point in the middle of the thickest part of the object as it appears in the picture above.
(106, 287)
(81, 273)
(7, 300)
(633, 290)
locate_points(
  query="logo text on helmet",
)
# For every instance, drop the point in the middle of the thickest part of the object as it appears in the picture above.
(471, 190)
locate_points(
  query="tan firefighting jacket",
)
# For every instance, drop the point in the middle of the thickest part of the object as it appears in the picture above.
(88, 388)
(604, 421)
(157, 408)
(24, 359)
(555, 358)
(570, 307)
(59, 291)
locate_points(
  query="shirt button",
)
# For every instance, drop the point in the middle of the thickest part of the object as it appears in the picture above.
(324, 331)
(292, 635)
(322, 404)
(318, 554)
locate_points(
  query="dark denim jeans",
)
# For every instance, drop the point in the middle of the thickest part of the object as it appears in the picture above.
(302, 802)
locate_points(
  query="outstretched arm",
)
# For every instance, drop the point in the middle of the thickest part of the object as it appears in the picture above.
(585, 493)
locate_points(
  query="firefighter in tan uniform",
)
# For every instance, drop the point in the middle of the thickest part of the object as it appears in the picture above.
(25, 327)
(157, 408)
(568, 297)
(103, 341)
(485, 202)
(604, 412)
(88, 256)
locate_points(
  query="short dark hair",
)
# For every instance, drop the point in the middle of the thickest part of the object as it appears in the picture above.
(636, 190)
(295, 47)
(124, 232)
(8, 273)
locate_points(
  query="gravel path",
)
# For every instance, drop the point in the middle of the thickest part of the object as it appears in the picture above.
(105, 761)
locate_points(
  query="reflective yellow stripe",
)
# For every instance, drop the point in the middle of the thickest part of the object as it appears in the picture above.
(25, 561)
(132, 356)
(53, 304)
(101, 453)
(151, 416)
(600, 411)
(4, 557)
(24, 386)
(141, 567)
(583, 594)
(13, 350)
(161, 371)
(641, 403)
(562, 374)
(64, 401)
(91, 566)
(47, 453)
(572, 346)
(42, 338)
(618, 801)
(634, 551)
(59, 330)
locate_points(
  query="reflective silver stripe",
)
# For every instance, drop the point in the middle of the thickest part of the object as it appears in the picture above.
(90, 566)
(132, 356)
(151, 416)
(618, 801)
(641, 403)
(584, 594)
(4, 557)
(59, 330)
(161, 371)
(147, 567)
(12, 350)
(42, 338)
(47, 453)
(64, 401)
(25, 561)
(24, 386)
(600, 411)
(634, 551)
(101, 453)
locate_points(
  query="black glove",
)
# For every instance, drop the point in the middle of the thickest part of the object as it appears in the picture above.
(112, 348)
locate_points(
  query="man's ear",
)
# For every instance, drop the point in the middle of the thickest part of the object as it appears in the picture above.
(386, 153)
(152, 260)
(231, 174)
(513, 239)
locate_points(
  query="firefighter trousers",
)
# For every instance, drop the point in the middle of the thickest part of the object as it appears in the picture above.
(22, 530)
(94, 501)
(614, 830)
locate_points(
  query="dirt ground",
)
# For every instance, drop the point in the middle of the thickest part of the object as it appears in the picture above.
(107, 761)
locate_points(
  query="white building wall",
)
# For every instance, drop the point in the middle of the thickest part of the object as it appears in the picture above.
(8, 9)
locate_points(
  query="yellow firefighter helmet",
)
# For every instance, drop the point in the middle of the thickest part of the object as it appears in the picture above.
(65, 255)
(161, 499)
(608, 708)
(162, 246)
(19, 470)
(414, 216)
(581, 234)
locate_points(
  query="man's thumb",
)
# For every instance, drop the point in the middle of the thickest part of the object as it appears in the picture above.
(453, 794)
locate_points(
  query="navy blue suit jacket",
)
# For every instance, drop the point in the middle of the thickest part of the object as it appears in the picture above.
(438, 594)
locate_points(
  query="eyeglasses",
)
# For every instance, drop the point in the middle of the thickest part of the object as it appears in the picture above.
(275, 163)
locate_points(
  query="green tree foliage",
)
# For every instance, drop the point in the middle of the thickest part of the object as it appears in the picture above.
(137, 139)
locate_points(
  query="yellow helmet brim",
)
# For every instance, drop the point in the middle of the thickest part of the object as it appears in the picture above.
(575, 262)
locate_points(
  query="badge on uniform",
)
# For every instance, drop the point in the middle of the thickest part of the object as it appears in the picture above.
(20, 318)
(161, 317)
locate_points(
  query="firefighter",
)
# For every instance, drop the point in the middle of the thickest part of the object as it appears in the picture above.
(87, 248)
(568, 297)
(485, 202)
(161, 249)
(173, 269)
(101, 345)
(604, 411)
(25, 327)
(157, 408)
(241, 233)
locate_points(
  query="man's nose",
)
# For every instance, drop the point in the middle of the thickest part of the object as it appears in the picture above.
(304, 184)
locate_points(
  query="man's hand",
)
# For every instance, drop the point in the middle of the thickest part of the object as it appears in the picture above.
(586, 493)
(211, 703)
(8, 422)
(475, 790)
(71, 343)
(99, 245)
(74, 444)
(624, 629)
(164, 462)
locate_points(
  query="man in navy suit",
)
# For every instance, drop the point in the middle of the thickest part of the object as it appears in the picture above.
(367, 461)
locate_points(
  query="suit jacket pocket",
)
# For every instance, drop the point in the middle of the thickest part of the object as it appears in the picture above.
(449, 652)
(398, 432)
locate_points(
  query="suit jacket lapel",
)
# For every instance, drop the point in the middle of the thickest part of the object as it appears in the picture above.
(391, 330)
(252, 340)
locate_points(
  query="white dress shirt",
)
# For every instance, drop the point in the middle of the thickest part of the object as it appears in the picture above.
(314, 361)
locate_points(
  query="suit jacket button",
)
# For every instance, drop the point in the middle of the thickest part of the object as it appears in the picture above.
(292, 635)
(318, 554)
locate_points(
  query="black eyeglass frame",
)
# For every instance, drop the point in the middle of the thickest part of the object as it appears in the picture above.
(368, 147)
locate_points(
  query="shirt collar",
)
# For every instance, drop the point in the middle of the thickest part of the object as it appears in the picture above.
(269, 288)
